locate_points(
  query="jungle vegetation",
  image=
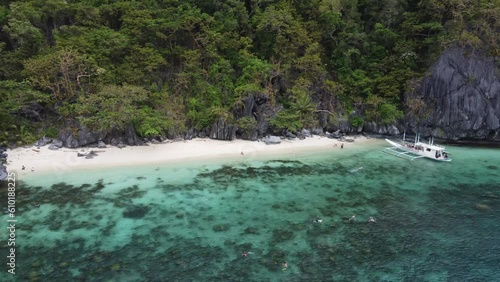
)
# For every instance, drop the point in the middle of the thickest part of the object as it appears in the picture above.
(165, 66)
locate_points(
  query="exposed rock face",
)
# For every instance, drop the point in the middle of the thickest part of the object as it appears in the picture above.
(307, 133)
(372, 127)
(222, 131)
(75, 135)
(3, 172)
(44, 141)
(3, 159)
(127, 137)
(191, 134)
(256, 107)
(101, 145)
(272, 140)
(463, 96)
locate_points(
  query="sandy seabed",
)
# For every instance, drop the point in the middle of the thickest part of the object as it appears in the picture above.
(37, 160)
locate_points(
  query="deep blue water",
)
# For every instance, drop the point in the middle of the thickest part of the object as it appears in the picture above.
(192, 222)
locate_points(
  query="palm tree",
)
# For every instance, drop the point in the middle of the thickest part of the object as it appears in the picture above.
(303, 106)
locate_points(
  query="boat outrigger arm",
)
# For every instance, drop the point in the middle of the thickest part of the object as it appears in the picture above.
(398, 150)
(416, 150)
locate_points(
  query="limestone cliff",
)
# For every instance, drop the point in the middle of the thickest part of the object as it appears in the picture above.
(461, 98)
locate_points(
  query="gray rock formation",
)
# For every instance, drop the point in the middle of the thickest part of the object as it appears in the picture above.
(43, 141)
(222, 131)
(127, 137)
(316, 131)
(462, 94)
(101, 145)
(3, 159)
(56, 145)
(190, 134)
(3, 173)
(272, 140)
(290, 135)
(307, 133)
(257, 108)
(336, 134)
(372, 127)
(74, 135)
(53, 147)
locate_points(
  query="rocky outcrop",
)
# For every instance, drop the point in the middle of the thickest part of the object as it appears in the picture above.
(75, 135)
(306, 133)
(462, 95)
(123, 137)
(270, 140)
(3, 173)
(43, 141)
(3, 160)
(223, 131)
(56, 144)
(372, 127)
(258, 109)
(101, 144)
(190, 134)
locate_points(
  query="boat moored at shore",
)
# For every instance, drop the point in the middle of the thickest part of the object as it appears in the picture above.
(417, 149)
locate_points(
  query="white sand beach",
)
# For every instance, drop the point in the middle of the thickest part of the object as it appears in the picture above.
(65, 159)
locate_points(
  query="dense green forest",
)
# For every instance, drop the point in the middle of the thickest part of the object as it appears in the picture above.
(165, 67)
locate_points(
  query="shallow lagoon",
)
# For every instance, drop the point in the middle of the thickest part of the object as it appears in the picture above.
(191, 222)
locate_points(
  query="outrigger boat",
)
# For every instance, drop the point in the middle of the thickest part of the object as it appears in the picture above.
(417, 149)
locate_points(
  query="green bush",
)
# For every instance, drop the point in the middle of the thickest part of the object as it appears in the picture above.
(286, 119)
(357, 121)
(150, 123)
(246, 124)
(51, 132)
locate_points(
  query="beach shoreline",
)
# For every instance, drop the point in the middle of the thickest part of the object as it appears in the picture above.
(42, 160)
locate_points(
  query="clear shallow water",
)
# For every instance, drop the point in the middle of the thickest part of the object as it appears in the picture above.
(185, 222)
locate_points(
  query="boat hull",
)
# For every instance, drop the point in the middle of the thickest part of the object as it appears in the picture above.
(417, 150)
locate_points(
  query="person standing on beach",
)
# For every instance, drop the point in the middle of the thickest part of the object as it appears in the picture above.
(342, 146)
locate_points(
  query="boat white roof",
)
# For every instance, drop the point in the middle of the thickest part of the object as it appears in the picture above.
(432, 147)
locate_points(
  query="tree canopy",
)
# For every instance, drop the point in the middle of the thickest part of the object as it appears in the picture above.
(169, 65)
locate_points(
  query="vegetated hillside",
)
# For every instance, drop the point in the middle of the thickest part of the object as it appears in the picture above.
(100, 69)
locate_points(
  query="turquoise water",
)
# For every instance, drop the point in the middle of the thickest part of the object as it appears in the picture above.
(192, 222)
